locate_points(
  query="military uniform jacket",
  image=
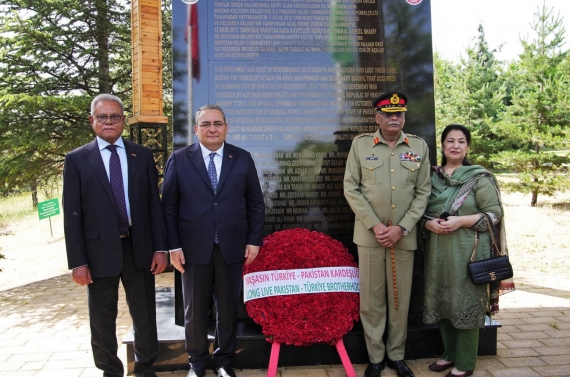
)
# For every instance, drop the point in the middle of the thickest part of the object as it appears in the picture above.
(387, 185)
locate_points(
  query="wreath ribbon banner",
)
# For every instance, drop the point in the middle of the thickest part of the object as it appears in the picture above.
(263, 284)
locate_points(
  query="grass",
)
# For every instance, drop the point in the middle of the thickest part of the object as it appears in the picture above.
(15, 208)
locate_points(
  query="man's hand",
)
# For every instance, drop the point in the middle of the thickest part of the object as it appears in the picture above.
(158, 263)
(377, 229)
(251, 252)
(177, 260)
(389, 236)
(82, 275)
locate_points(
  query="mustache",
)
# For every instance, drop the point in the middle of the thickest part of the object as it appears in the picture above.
(393, 123)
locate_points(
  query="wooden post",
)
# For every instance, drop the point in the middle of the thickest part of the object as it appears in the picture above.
(148, 124)
(146, 28)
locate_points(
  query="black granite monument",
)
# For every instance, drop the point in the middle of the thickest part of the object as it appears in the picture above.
(296, 79)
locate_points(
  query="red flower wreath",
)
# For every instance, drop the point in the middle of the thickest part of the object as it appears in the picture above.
(303, 319)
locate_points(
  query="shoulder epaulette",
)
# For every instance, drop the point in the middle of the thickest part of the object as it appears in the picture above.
(415, 137)
(366, 134)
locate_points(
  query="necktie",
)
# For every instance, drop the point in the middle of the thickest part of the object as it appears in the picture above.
(116, 180)
(212, 172)
(214, 180)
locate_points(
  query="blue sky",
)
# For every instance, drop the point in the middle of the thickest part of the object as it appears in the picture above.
(454, 24)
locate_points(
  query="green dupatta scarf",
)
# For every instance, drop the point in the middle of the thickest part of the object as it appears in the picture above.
(448, 193)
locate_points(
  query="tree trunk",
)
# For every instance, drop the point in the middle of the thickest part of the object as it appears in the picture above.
(102, 36)
(34, 186)
(534, 198)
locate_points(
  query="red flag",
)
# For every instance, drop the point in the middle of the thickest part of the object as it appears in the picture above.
(193, 45)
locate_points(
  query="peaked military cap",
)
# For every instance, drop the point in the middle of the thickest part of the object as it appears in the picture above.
(391, 102)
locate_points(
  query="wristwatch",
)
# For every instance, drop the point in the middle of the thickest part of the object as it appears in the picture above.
(405, 232)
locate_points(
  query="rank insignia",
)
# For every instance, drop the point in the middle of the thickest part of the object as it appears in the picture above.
(410, 156)
(394, 100)
(376, 140)
(406, 141)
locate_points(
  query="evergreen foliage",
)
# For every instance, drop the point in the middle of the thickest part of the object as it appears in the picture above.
(518, 114)
(54, 57)
(473, 93)
(538, 118)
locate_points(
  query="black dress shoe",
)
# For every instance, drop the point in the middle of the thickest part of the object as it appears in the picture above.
(373, 370)
(225, 371)
(196, 373)
(402, 370)
(435, 367)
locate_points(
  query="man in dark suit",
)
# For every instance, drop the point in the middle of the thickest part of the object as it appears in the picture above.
(114, 231)
(214, 212)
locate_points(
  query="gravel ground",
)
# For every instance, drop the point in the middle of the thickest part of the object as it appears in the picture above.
(31, 253)
(537, 237)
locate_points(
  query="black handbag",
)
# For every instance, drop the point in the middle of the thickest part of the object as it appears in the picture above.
(490, 270)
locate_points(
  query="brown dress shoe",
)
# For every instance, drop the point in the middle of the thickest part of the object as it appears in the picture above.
(435, 367)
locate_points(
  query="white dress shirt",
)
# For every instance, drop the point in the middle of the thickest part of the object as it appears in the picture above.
(217, 158)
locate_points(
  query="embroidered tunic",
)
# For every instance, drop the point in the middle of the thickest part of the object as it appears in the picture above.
(449, 294)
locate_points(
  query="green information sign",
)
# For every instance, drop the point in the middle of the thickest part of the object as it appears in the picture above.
(48, 208)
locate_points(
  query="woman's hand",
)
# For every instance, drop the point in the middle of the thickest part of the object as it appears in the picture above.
(439, 226)
(456, 222)
(453, 222)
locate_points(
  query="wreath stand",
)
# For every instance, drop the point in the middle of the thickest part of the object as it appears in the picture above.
(274, 358)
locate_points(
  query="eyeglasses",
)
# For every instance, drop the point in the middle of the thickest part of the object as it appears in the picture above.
(398, 114)
(103, 118)
(208, 125)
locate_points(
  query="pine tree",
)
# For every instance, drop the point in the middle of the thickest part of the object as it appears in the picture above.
(538, 118)
(54, 57)
(473, 93)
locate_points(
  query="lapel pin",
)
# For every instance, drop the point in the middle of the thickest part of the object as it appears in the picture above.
(231, 156)
(134, 155)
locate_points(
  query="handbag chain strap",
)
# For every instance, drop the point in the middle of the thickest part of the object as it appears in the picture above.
(495, 249)
(475, 247)
(492, 235)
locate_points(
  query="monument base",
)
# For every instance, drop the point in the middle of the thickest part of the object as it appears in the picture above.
(253, 351)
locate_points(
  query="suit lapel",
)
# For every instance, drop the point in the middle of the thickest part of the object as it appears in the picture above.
(195, 155)
(227, 163)
(93, 156)
(132, 162)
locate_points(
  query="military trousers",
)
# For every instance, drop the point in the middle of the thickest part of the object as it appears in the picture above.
(377, 301)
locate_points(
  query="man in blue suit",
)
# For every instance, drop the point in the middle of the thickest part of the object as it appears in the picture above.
(215, 213)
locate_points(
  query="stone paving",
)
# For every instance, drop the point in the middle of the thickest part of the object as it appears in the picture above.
(44, 331)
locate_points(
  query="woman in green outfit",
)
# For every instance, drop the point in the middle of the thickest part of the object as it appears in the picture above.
(461, 196)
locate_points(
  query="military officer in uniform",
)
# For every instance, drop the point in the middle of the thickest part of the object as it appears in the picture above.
(387, 184)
